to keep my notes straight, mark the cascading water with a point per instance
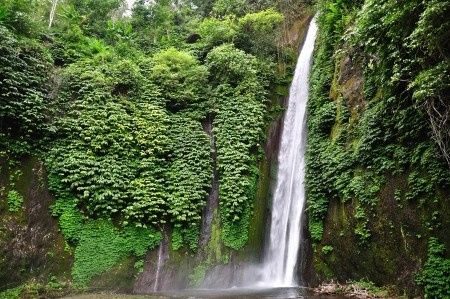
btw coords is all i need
(279, 266)
(52, 13)
(158, 267)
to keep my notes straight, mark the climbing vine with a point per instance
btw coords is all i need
(25, 69)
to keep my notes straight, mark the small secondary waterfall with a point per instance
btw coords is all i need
(279, 266)
(158, 267)
(52, 13)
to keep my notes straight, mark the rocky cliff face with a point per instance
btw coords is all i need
(215, 265)
(30, 243)
(31, 239)
(377, 183)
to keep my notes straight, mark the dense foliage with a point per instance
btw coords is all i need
(117, 106)
(239, 96)
(134, 114)
(378, 115)
(24, 89)
(435, 276)
(99, 245)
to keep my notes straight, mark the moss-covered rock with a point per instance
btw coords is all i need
(377, 184)
(31, 245)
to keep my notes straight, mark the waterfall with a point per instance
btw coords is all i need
(128, 8)
(52, 13)
(279, 265)
(158, 267)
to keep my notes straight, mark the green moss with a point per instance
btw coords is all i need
(120, 277)
(25, 208)
(258, 219)
(214, 248)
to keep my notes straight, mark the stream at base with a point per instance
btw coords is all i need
(232, 293)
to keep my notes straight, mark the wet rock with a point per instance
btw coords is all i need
(31, 245)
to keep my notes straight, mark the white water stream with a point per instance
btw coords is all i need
(280, 263)
(52, 13)
(158, 267)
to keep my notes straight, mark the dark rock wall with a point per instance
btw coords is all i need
(397, 247)
(30, 243)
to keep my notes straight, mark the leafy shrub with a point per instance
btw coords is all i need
(25, 69)
(179, 75)
(215, 32)
(229, 7)
(15, 201)
(258, 32)
(197, 275)
(435, 275)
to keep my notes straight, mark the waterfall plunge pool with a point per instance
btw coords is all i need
(231, 293)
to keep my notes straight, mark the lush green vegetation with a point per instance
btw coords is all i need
(238, 106)
(132, 114)
(25, 67)
(15, 201)
(378, 115)
(435, 276)
(117, 107)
